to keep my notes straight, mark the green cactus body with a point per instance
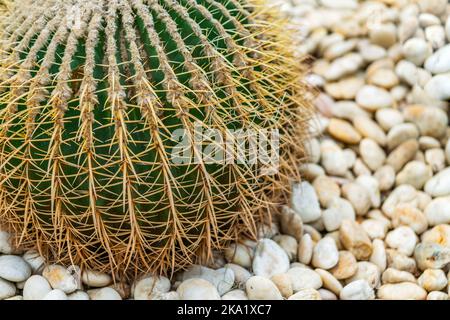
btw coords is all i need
(91, 94)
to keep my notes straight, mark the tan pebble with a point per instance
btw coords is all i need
(378, 256)
(345, 89)
(329, 281)
(406, 214)
(354, 238)
(306, 294)
(346, 266)
(401, 291)
(386, 177)
(326, 189)
(283, 283)
(370, 129)
(305, 249)
(402, 154)
(433, 280)
(383, 78)
(391, 275)
(343, 131)
(358, 196)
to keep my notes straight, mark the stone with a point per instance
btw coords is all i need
(436, 159)
(326, 189)
(303, 278)
(343, 131)
(7, 289)
(438, 211)
(439, 234)
(198, 289)
(408, 215)
(373, 98)
(78, 295)
(370, 129)
(435, 35)
(5, 242)
(305, 249)
(325, 254)
(241, 275)
(55, 294)
(288, 244)
(269, 259)
(385, 176)
(104, 294)
(241, 254)
(383, 34)
(402, 154)
(333, 160)
(417, 50)
(428, 19)
(60, 278)
(439, 185)
(36, 288)
(35, 260)
(437, 295)
(354, 239)
(400, 261)
(431, 256)
(403, 239)
(439, 87)
(348, 110)
(311, 171)
(306, 294)
(14, 268)
(304, 202)
(284, 284)
(371, 52)
(291, 224)
(343, 66)
(235, 295)
(367, 271)
(428, 143)
(400, 195)
(378, 256)
(150, 287)
(439, 62)
(222, 279)
(436, 7)
(357, 290)
(95, 279)
(407, 72)
(372, 187)
(391, 275)
(344, 89)
(384, 78)
(415, 173)
(346, 266)
(329, 281)
(388, 118)
(431, 121)
(261, 288)
(327, 294)
(358, 196)
(375, 229)
(338, 49)
(401, 291)
(433, 280)
(401, 133)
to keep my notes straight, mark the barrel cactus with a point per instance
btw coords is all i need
(92, 94)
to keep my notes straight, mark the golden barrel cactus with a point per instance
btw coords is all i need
(92, 93)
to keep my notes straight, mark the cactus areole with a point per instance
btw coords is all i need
(93, 97)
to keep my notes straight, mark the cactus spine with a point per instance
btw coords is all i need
(91, 94)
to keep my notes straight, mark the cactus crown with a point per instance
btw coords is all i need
(91, 94)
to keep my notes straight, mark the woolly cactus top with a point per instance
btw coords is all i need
(91, 93)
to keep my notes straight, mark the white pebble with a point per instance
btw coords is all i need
(270, 259)
(14, 268)
(36, 288)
